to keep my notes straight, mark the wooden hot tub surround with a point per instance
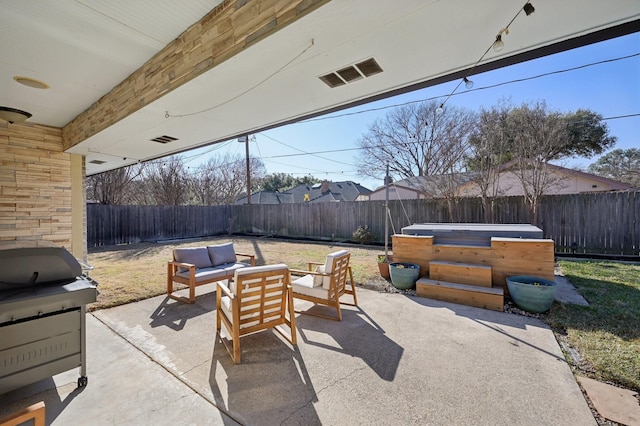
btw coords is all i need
(474, 274)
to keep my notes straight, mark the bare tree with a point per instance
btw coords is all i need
(537, 135)
(166, 182)
(488, 150)
(415, 140)
(114, 186)
(222, 179)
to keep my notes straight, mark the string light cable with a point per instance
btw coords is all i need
(496, 44)
(305, 152)
(492, 86)
(251, 88)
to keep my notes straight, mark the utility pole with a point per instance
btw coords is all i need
(386, 215)
(245, 139)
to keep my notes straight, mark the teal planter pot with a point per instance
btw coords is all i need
(532, 294)
(404, 275)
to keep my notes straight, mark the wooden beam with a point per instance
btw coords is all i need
(224, 32)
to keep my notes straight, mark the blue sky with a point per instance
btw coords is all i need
(611, 89)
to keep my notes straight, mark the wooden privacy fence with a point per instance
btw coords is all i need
(584, 223)
(111, 225)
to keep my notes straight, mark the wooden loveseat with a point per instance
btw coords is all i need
(196, 266)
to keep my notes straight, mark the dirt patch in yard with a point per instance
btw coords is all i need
(134, 272)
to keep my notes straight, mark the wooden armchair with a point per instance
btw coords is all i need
(327, 284)
(258, 298)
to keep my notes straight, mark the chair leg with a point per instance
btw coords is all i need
(218, 310)
(353, 288)
(169, 280)
(292, 316)
(192, 293)
(236, 346)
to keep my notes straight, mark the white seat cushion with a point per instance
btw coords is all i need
(320, 280)
(305, 285)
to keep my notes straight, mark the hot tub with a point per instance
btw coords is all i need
(471, 234)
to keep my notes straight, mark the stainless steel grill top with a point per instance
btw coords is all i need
(36, 281)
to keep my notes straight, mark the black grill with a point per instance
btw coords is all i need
(43, 298)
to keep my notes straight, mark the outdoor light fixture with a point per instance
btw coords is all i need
(468, 83)
(498, 45)
(528, 8)
(31, 82)
(13, 115)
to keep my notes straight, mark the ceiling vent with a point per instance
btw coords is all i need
(369, 67)
(97, 162)
(164, 139)
(352, 73)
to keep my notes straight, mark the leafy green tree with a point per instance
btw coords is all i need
(619, 164)
(537, 135)
(580, 134)
(589, 135)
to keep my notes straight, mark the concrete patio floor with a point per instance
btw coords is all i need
(394, 360)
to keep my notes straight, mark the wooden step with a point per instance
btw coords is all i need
(463, 273)
(464, 294)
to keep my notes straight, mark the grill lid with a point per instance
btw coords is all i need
(37, 266)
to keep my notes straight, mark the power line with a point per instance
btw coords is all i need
(520, 80)
(305, 152)
(317, 153)
(622, 116)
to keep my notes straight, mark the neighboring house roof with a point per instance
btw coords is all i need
(422, 184)
(266, 197)
(437, 184)
(317, 193)
(615, 185)
(576, 181)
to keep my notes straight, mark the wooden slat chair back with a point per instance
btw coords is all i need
(327, 284)
(35, 412)
(258, 298)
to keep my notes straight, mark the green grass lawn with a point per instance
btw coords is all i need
(606, 334)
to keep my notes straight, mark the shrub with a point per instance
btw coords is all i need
(362, 235)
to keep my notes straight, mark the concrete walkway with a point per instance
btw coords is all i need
(396, 360)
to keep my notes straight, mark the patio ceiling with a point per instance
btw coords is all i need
(84, 48)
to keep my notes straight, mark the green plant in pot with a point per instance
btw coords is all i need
(383, 265)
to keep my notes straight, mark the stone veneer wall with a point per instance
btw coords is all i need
(35, 185)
